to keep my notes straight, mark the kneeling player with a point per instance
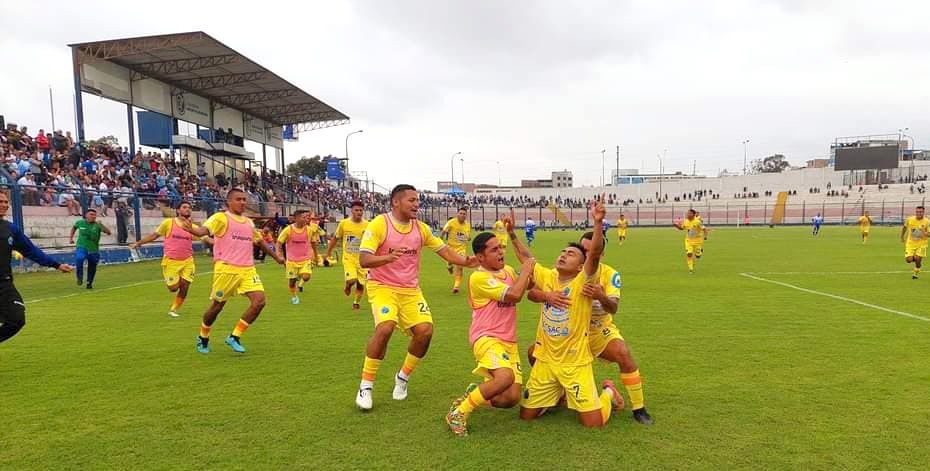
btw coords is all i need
(563, 353)
(493, 292)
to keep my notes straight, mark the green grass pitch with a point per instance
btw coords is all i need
(738, 372)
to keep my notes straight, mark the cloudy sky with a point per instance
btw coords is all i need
(532, 85)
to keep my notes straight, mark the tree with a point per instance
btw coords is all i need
(108, 141)
(776, 163)
(313, 167)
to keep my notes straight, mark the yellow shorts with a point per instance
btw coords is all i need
(293, 270)
(492, 353)
(353, 270)
(176, 270)
(548, 382)
(406, 307)
(503, 242)
(602, 335)
(918, 250)
(233, 281)
(621, 233)
(693, 247)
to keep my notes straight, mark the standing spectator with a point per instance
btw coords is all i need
(44, 147)
(122, 227)
(29, 191)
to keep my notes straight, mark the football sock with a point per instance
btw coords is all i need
(634, 387)
(410, 363)
(293, 290)
(300, 282)
(369, 371)
(690, 263)
(177, 303)
(240, 328)
(204, 331)
(473, 401)
(458, 281)
(358, 296)
(606, 405)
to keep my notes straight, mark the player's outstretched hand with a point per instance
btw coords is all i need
(279, 259)
(65, 268)
(528, 264)
(471, 262)
(598, 210)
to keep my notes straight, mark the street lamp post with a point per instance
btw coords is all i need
(603, 151)
(347, 149)
(901, 133)
(745, 156)
(659, 156)
(498, 173)
(452, 166)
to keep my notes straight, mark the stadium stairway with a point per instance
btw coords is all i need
(559, 215)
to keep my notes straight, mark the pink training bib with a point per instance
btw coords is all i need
(235, 245)
(405, 271)
(298, 244)
(495, 319)
(179, 243)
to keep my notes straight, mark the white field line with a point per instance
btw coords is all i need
(837, 297)
(827, 273)
(52, 298)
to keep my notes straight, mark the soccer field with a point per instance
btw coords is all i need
(821, 361)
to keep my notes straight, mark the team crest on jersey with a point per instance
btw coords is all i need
(492, 282)
(385, 310)
(10, 241)
(505, 356)
(616, 280)
(219, 293)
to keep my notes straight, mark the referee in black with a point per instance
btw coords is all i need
(12, 308)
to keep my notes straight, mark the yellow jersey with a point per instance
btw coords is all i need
(312, 230)
(694, 229)
(217, 224)
(350, 233)
(917, 230)
(164, 228)
(609, 280)
(865, 223)
(562, 335)
(622, 223)
(459, 233)
(501, 232)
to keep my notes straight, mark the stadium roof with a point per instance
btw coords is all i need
(198, 63)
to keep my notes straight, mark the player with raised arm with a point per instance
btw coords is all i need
(177, 262)
(391, 249)
(694, 237)
(234, 271)
(563, 352)
(350, 231)
(493, 293)
(457, 233)
(914, 235)
(12, 307)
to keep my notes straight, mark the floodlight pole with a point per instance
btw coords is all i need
(347, 149)
(78, 101)
(745, 155)
(452, 165)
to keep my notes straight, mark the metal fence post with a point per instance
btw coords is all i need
(803, 211)
(655, 214)
(727, 210)
(883, 211)
(843, 212)
(17, 201)
(137, 217)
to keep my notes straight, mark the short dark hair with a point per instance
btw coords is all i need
(182, 203)
(920, 207)
(590, 236)
(480, 242)
(463, 208)
(91, 210)
(580, 248)
(233, 191)
(357, 203)
(299, 212)
(400, 189)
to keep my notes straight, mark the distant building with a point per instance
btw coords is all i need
(818, 163)
(562, 179)
(536, 183)
(445, 187)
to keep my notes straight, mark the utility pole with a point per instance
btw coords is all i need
(617, 176)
